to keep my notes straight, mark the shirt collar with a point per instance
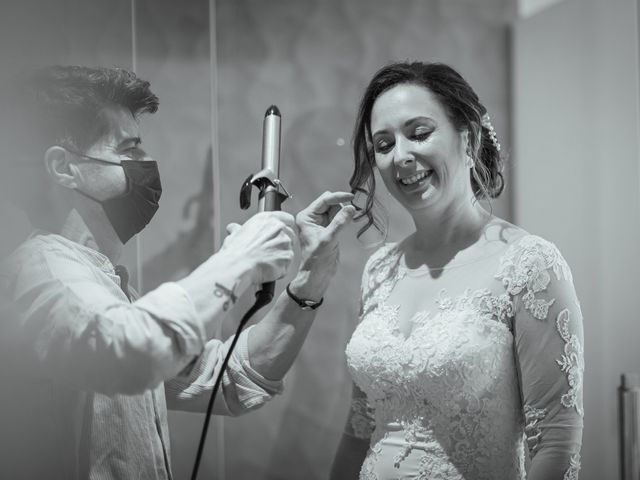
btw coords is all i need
(98, 259)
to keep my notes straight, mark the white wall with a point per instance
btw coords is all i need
(576, 182)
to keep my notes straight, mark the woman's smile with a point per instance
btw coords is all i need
(417, 177)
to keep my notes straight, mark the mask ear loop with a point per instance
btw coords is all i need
(89, 158)
(88, 196)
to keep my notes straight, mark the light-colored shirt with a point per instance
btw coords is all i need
(87, 375)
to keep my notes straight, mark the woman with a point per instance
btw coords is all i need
(469, 344)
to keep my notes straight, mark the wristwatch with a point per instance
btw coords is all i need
(305, 304)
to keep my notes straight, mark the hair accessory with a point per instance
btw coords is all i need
(486, 122)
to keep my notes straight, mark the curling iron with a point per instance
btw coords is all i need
(270, 199)
(267, 182)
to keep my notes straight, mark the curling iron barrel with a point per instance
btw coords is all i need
(267, 181)
(269, 198)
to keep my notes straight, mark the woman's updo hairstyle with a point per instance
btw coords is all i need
(464, 110)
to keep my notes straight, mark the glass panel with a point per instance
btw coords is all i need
(172, 51)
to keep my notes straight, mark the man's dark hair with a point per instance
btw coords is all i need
(66, 102)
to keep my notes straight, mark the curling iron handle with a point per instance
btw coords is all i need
(265, 294)
(272, 200)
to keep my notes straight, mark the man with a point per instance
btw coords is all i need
(87, 368)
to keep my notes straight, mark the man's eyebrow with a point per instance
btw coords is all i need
(136, 141)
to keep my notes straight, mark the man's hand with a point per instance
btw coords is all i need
(265, 241)
(257, 252)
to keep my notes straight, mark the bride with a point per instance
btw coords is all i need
(469, 346)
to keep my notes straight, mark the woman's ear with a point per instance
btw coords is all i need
(464, 142)
(469, 148)
(60, 168)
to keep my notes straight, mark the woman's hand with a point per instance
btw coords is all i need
(319, 227)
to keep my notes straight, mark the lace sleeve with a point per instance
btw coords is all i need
(549, 353)
(377, 270)
(360, 422)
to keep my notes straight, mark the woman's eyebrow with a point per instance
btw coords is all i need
(379, 132)
(413, 120)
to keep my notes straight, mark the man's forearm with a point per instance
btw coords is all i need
(275, 342)
(214, 286)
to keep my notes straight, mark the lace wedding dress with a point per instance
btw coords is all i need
(479, 376)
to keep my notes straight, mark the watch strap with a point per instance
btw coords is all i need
(304, 303)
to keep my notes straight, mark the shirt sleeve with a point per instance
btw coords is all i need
(73, 324)
(243, 389)
(549, 354)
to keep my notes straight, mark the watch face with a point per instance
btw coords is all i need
(311, 305)
(305, 304)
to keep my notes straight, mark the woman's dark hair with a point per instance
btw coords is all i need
(463, 109)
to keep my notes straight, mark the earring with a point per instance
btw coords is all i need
(470, 162)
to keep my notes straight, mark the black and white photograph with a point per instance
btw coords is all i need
(319, 239)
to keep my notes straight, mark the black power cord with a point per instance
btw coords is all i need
(262, 298)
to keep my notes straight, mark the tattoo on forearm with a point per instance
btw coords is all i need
(221, 291)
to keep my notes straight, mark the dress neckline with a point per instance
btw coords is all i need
(400, 260)
(394, 259)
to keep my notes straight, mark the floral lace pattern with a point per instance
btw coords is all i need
(483, 301)
(532, 417)
(445, 397)
(524, 269)
(574, 468)
(571, 362)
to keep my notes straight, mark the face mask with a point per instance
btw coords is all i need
(131, 212)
